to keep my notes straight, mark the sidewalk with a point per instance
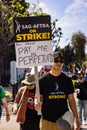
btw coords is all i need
(12, 124)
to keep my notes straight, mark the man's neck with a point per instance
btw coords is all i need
(55, 73)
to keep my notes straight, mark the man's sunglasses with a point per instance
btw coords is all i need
(57, 60)
(29, 84)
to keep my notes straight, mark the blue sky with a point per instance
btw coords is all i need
(71, 15)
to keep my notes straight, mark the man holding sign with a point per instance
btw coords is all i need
(55, 89)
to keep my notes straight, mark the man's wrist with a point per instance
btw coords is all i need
(8, 115)
(76, 118)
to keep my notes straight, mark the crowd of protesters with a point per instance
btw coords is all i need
(52, 83)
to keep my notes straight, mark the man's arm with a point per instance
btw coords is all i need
(72, 105)
(4, 102)
(38, 106)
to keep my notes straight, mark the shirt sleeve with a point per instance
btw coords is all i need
(3, 94)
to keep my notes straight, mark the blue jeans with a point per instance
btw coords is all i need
(82, 109)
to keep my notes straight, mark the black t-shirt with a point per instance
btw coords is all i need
(55, 90)
(82, 95)
(31, 113)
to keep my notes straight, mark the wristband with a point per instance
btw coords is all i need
(7, 115)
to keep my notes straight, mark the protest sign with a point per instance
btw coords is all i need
(33, 41)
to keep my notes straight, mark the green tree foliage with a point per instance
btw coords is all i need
(35, 10)
(14, 8)
(9, 9)
(56, 34)
(79, 41)
(68, 54)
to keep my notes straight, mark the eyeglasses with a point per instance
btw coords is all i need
(57, 60)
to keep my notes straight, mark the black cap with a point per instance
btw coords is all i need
(57, 54)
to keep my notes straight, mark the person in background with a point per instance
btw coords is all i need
(85, 76)
(30, 119)
(46, 69)
(56, 88)
(81, 89)
(3, 102)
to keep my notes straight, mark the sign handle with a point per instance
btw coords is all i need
(37, 86)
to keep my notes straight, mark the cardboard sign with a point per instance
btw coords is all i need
(33, 41)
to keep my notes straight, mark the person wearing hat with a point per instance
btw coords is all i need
(56, 88)
(24, 104)
(81, 89)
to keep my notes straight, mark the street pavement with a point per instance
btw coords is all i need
(12, 124)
